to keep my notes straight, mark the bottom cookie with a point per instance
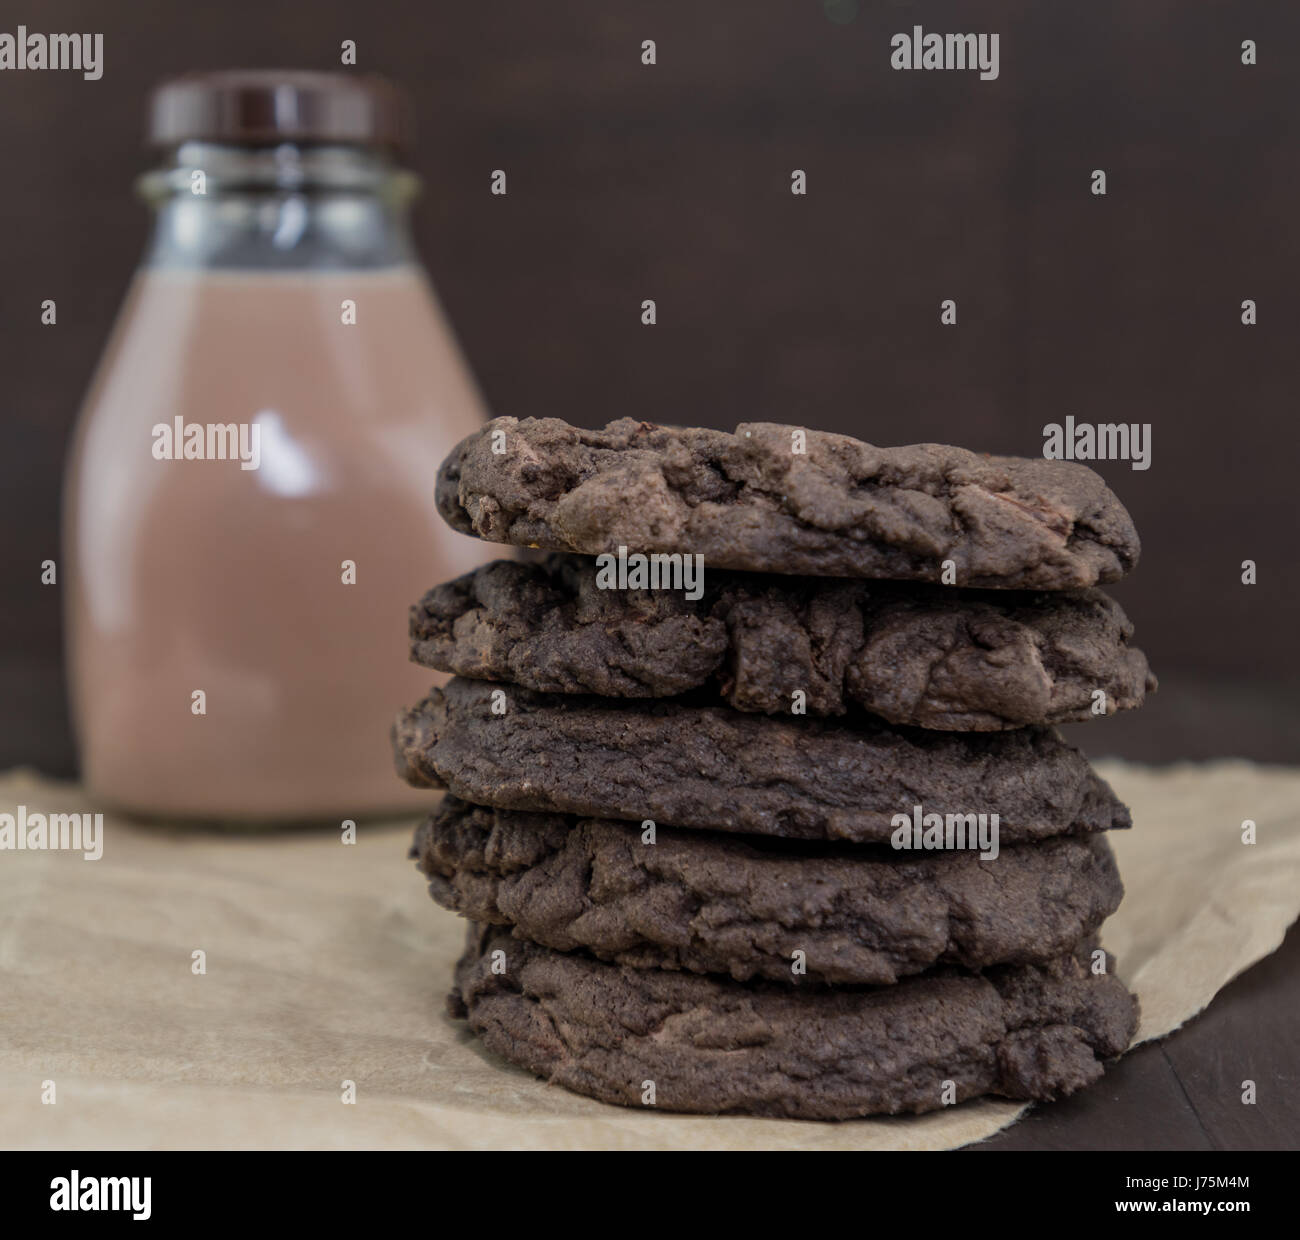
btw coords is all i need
(685, 1042)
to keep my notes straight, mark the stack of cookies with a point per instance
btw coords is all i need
(755, 803)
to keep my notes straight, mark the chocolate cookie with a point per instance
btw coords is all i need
(689, 765)
(708, 903)
(780, 499)
(712, 1045)
(928, 656)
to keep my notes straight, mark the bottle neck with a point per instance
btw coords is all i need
(291, 208)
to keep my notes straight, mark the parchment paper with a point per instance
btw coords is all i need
(328, 963)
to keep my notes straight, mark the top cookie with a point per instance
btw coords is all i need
(780, 499)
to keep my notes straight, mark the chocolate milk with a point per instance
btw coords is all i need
(278, 593)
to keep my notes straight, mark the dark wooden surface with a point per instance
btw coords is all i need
(1184, 1092)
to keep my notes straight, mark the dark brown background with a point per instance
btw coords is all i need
(672, 183)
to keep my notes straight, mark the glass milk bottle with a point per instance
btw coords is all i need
(249, 499)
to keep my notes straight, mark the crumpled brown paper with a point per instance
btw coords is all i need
(327, 963)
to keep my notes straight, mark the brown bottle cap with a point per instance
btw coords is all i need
(268, 106)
